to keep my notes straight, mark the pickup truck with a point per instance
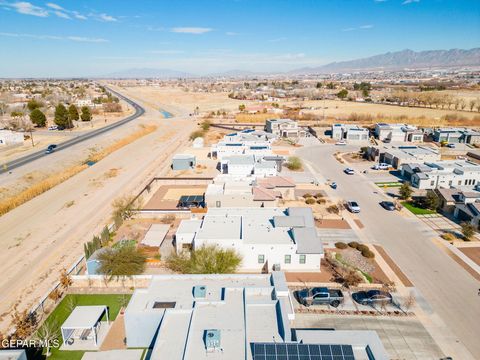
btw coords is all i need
(320, 296)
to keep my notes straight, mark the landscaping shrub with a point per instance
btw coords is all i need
(307, 195)
(196, 134)
(368, 254)
(353, 244)
(321, 201)
(319, 195)
(294, 163)
(310, 201)
(205, 260)
(341, 245)
(362, 247)
(333, 209)
(125, 261)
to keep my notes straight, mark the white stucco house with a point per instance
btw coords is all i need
(266, 238)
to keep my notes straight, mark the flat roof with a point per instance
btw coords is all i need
(155, 235)
(84, 317)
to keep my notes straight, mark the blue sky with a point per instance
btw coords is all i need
(94, 38)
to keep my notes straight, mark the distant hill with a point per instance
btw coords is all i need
(399, 60)
(142, 73)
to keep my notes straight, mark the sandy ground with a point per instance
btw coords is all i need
(43, 236)
(339, 109)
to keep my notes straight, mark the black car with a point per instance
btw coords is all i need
(388, 205)
(50, 149)
(372, 297)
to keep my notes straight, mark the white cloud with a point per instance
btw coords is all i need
(406, 2)
(53, 37)
(61, 15)
(54, 6)
(361, 27)
(79, 16)
(277, 39)
(27, 8)
(86, 39)
(191, 30)
(105, 17)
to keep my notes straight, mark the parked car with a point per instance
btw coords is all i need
(349, 171)
(50, 149)
(353, 206)
(341, 142)
(381, 166)
(451, 146)
(333, 185)
(53, 127)
(320, 296)
(372, 297)
(388, 205)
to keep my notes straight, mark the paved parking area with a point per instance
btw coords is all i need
(403, 338)
(331, 236)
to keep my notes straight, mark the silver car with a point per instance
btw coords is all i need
(353, 206)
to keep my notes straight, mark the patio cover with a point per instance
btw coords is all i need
(155, 235)
(83, 318)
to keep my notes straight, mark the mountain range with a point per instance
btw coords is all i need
(391, 61)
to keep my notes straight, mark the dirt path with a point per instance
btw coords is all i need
(45, 235)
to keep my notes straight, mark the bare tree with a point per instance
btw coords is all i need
(409, 301)
(472, 104)
(48, 334)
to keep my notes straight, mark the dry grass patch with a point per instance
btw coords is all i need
(39, 188)
(51, 181)
(143, 131)
(254, 118)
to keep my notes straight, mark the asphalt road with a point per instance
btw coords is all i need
(448, 288)
(139, 111)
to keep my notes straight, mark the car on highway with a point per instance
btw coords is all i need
(50, 149)
(381, 166)
(388, 205)
(53, 127)
(341, 143)
(372, 297)
(333, 185)
(349, 171)
(319, 296)
(353, 206)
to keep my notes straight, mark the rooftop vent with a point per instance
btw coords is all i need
(212, 339)
(199, 291)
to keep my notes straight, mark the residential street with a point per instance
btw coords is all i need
(448, 288)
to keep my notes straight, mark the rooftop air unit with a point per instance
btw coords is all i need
(212, 340)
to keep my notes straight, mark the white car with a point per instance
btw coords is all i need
(353, 206)
(53, 127)
(341, 143)
(381, 166)
(349, 171)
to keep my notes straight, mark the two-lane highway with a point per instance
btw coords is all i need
(139, 111)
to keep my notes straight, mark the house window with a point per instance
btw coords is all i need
(261, 259)
(218, 204)
(303, 259)
(432, 183)
(288, 259)
(459, 182)
(450, 183)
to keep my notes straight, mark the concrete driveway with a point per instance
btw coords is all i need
(403, 338)
(448, 288)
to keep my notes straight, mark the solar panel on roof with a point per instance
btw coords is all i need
(296, 351)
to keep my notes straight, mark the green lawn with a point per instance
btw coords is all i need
(416, 210)
(389, 184)
(62, 311)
